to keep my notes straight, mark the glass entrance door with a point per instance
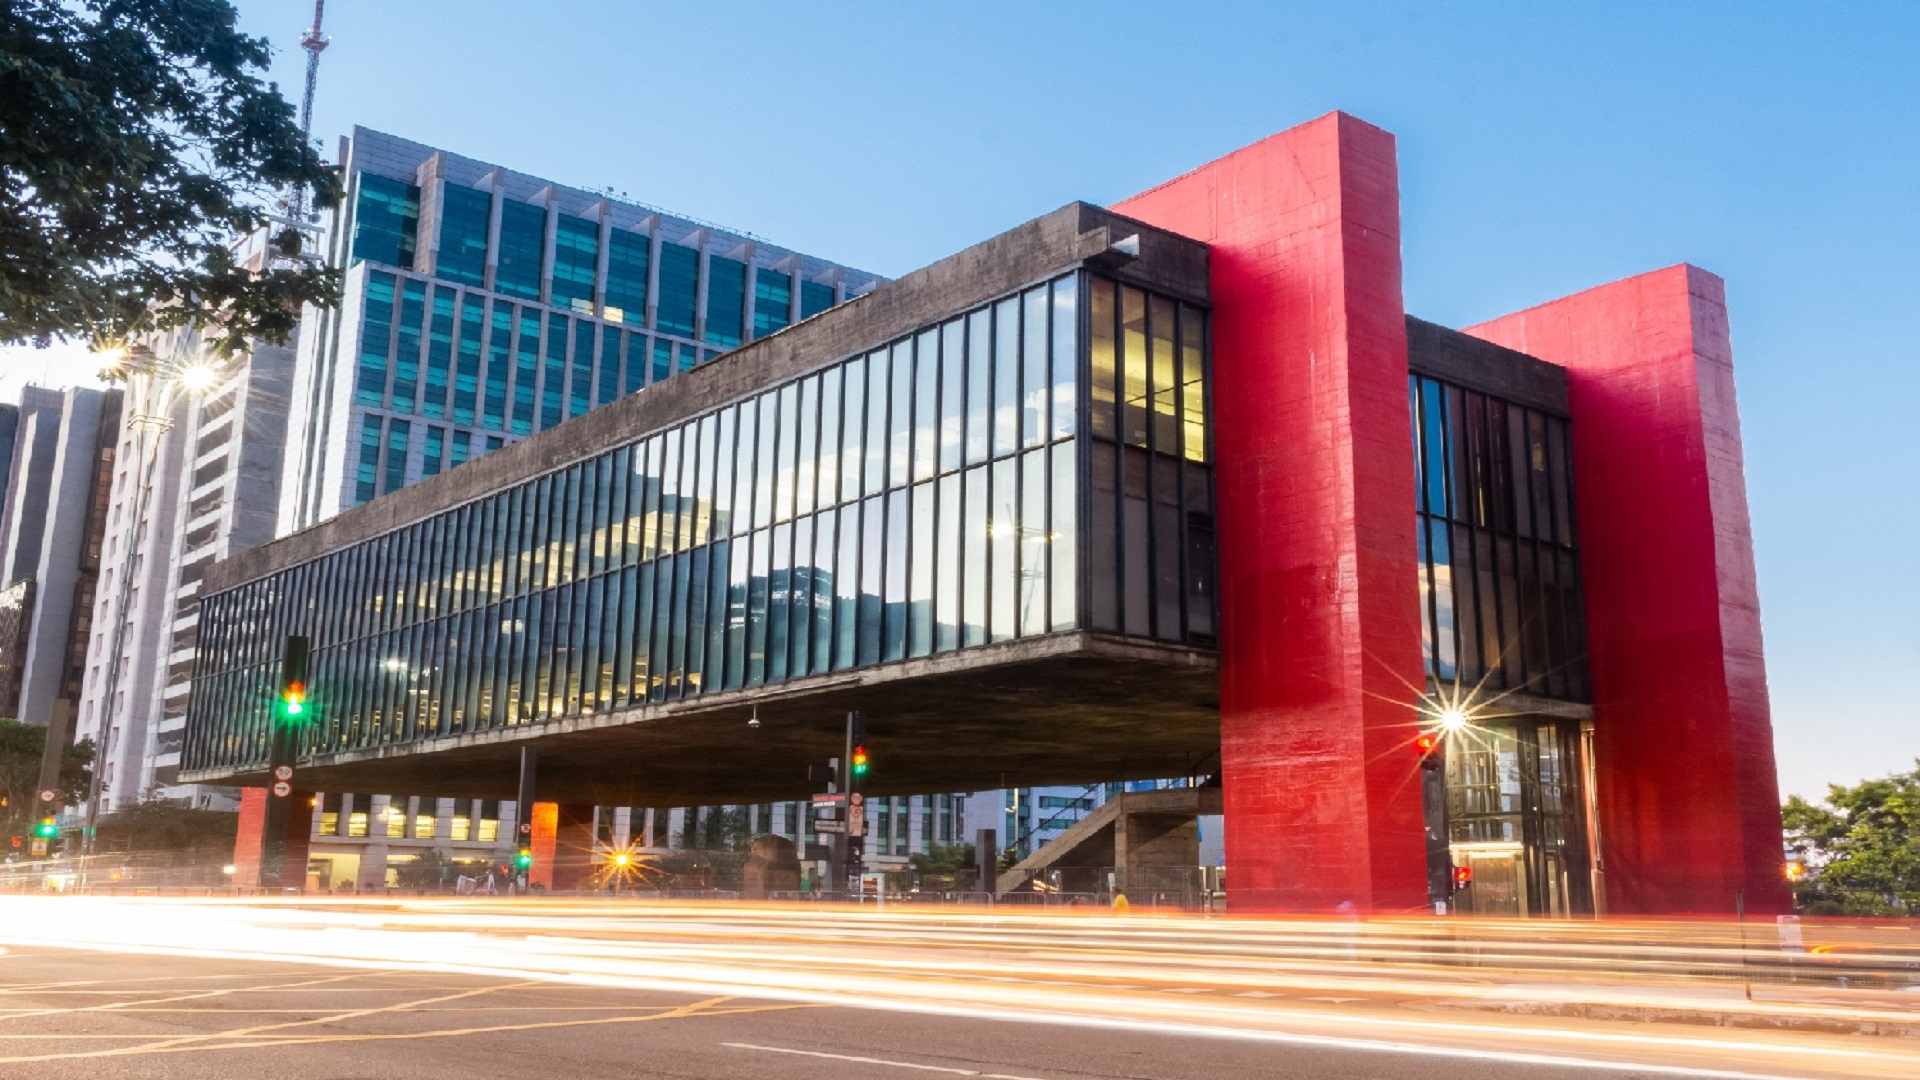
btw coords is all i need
(1499, 883)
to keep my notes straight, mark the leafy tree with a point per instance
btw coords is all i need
(1861, 846)
(137, 140)
(154, 825)
(21, 747)
(434, 869)
(942, 859)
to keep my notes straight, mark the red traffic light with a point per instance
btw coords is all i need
(1462, 876)
(1427, 742)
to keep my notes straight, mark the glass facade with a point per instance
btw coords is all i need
(386, 218)
(1499, 564)
(465, 215)
(923, 497)
(1516, 814)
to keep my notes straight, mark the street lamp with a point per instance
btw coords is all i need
(154, 384)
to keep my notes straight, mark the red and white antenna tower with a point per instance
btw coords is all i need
(315, 43)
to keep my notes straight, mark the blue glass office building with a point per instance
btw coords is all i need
(483, 305)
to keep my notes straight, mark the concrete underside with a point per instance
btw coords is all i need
(1071, 708)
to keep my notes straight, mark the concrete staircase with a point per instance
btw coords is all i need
(1131, 831)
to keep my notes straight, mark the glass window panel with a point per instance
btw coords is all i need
(726, 301)
(779, 602)
(628, 254)
(1036, 376)
(523, 243)
(978, 528)
(846, 597)
(553, 371)
(698, 573)
(808, 454)
(737, 582)
(386, 220)
(1065, 358)
(926, 405)
(824, 576)
(772, 300)
(725, 464)
(953, 383)
(875, 472)
(1004, 529)
(702, 516)
(757, 604)
(1103, 367)
(853, 420)
(1168, 595)
(526, 370)
(580, 380)
(1063, 541)
(799, 599)
(829, 455)
(679, 289)
(1006, 377)
(894, 645)
(743, 461)
(1193, 389)
(768, 406)
(1034, 542)
(1133, 366)
(872, 579)
(1164, 366)
(370, 380)
(900, 417)
(1135, 544)
(946, 566)
(783, 464)
(979, 386)
(406, 358)
(720, 568)
(576, 260)
(609, 368)
(814, 298)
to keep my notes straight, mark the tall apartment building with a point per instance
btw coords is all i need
(482, 305)
(212, 481)
(61, 455)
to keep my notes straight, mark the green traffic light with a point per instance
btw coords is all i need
(524, 860)
(46, 830)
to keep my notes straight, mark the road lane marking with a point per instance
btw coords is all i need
(878, 1061)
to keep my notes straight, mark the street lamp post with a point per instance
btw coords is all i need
(154, 384)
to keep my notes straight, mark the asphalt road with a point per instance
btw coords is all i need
(78, 1015)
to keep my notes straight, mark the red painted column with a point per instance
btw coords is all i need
(247, 841)
(1314, 466)
(250, 839)
(562, 846)
(1689, 800)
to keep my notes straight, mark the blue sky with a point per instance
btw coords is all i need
(1544, 148)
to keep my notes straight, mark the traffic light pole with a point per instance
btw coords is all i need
(854, 766)
(283, 754)
(523, 815)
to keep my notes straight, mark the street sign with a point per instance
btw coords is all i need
(49, 795)
(857, 815)
(282, 789)
(828, 825)
(39, 846)
(830, 797)
(283, 772)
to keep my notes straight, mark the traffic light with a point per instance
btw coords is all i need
(1427, 743)
(46, 829)
(293, 700)
(1462, 877)
(293, 681)
(859, 762)
(523, 861)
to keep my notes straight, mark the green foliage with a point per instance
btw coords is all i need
(21, 746)
(137, 140)
(434, 869)
(1861, 846)
(156, 826)
(942, 859)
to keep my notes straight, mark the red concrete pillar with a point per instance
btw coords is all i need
(562, 846)
(1314, 466)
(1689, 800)
(250, 840)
